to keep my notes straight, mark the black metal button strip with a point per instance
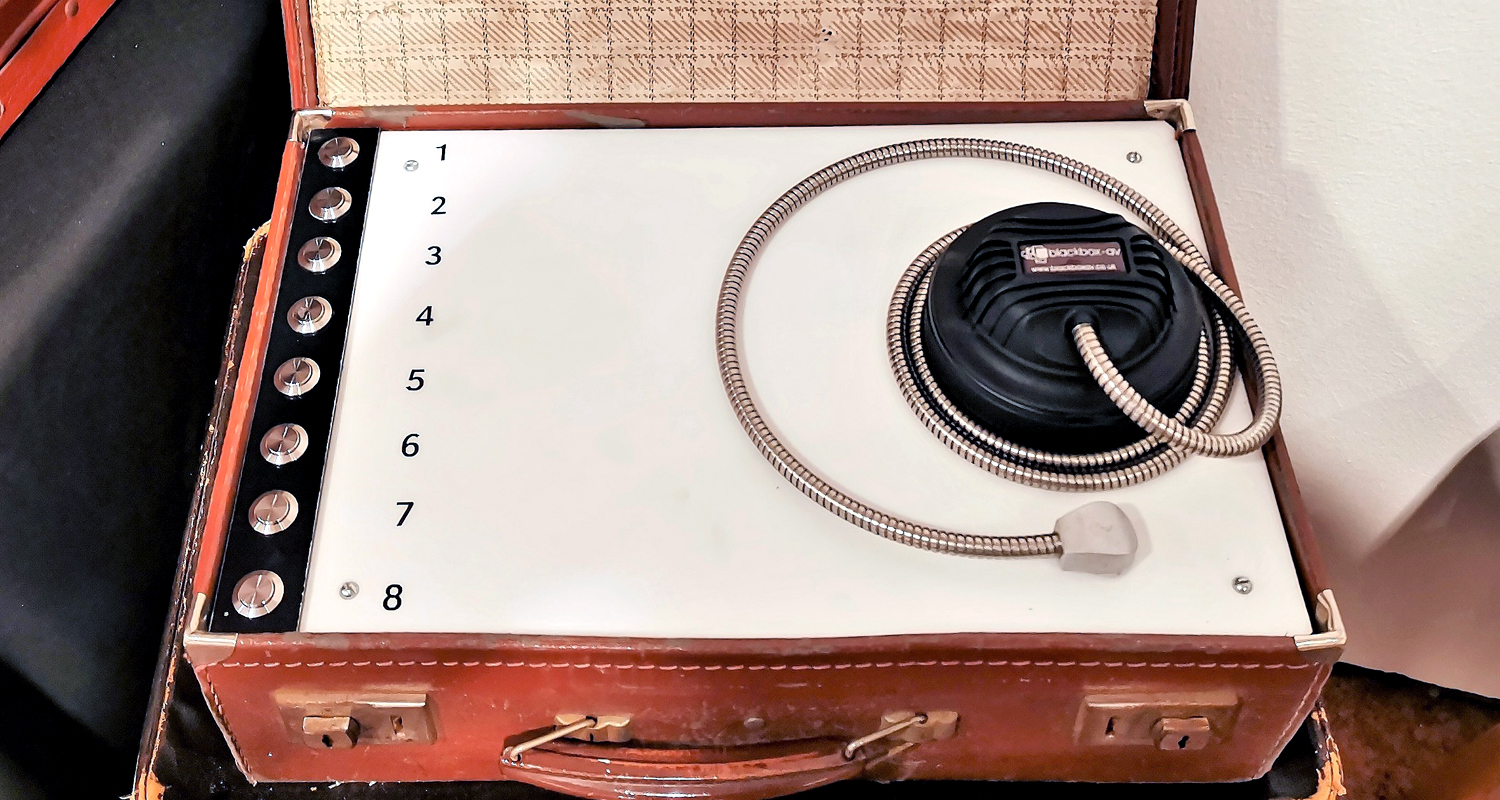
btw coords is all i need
(264, 569)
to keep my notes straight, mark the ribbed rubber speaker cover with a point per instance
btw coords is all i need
(1004, 297)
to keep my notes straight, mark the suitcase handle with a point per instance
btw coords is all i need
(751, 772)
(607, 772)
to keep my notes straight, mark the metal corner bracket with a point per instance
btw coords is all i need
(1332, 635)
(1177, 112)
(308, 120)
(204, 648)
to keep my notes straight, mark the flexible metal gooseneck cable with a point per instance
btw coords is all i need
(1168, 439)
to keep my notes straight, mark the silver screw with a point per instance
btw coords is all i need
(1133, 157)
(411, 166)
(1243, 585)
(349, 590)
(754, 723)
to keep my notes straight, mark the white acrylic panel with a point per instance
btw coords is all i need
(580, 469)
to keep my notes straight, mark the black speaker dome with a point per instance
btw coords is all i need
(1004, 298)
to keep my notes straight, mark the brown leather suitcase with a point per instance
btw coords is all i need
(740, 717)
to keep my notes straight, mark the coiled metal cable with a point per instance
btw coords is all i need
(1169, 437)
(1133, 463)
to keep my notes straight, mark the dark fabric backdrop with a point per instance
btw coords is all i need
(126, 192)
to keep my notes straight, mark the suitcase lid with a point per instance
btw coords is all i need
(476, 55)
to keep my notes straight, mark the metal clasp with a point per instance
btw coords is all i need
(908, 727)
(589, 728)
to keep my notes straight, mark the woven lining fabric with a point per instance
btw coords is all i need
(480, 52)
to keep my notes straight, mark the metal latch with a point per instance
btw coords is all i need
(329, 723)
(1177, 733)
(1167, 720)
(330, 733)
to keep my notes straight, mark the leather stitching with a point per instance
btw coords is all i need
(1297, 719)
(218, 712)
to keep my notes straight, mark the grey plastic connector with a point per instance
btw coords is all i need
(1096, 538)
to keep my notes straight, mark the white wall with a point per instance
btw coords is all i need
(1355, 149)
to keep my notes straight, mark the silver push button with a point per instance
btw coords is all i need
(330, 204)
(309, 314)
(258, 594)
(296, 376)
(338, 152)
(283, 443)
(273, 512)
(319, 254)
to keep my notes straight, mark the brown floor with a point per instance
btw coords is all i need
(1394, 733)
